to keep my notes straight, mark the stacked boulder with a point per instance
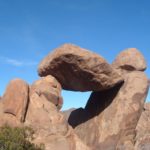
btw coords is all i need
(112, 116)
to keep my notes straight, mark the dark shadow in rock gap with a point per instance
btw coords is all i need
(97, 102)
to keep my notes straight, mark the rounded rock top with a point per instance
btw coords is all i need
(130, 59)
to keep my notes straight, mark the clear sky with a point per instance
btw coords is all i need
(30, 29)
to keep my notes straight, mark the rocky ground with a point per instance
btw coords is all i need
(115, 117)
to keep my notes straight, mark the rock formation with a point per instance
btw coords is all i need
(114, 118)
(39, 107)
(110, 118)
(43, 116)
(79, 69)
(15, 99)
(49, 88)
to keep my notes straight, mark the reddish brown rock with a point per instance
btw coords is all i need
(129, 60)
(110, 117)
(143, 130)
(78, 69)
(50, 88)
(15, 99)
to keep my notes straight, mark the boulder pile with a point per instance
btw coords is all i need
(115, 117)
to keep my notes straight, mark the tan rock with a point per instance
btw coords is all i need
(110, 117)
(15, 99)
(143, 130)
(7, 119)
(50, 88)
(147, 106)
(129, 60)
(78, 69)
(50, 127)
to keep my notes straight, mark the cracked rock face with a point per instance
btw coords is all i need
(78, 69)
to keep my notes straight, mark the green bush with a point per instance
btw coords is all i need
(17, 139)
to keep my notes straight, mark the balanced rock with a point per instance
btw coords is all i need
(79, 69)
(110, 117)
(15, 99)
(50, 88)
(129, 60)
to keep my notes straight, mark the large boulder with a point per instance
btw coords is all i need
(50, 88)
(15, 99)
(51, 128)
(110, 117)
(130, 59)
(143, 130)
(78, 69)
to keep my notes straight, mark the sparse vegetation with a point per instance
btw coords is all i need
(17, 139)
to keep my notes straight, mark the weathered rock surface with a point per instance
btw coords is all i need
(110, 117)
(16, 98)
(50, 127)
(50, 88)
(79, 69)
(8, 119)
(143, 130)
(130, 59)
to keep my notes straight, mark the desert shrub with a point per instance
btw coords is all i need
(17, 139)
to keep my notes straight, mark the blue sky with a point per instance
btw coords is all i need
(30, 29)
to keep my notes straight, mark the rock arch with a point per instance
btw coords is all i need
(111, 114)
(109, 119)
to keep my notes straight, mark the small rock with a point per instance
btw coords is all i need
(130, 59)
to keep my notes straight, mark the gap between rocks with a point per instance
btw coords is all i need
(74, 99)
